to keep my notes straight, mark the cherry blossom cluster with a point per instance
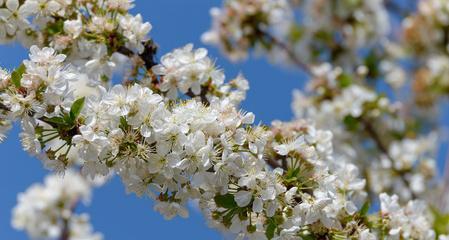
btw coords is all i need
(241, 25)
(408, 222)
(337, 102)
(180, 151)
(424, 31)
(431, 80)
(38, 82)
(90, 33)
(324, 31)
(189, 151)
(424, 40)
(336, 31)
(47, 211)
(193, 73)
(347, 50)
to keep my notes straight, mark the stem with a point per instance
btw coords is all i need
(49, 133)
(68, 149)
(52, 138)
(63, 145)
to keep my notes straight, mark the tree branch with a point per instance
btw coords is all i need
(65, 234)
(290, 53)
(202, 95)
(369, 128)
(148, 55)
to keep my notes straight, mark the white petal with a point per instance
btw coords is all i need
(12, 5)
(257, 205)
(243, 198)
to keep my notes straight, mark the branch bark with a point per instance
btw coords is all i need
(369, 128)
(148, 55)
(290, 53)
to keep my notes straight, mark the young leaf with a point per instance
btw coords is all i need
(123, 123)
(76, 108)
(365, 208)
(56, 120)
(225, 201)
(56, 27)
(441, 221)
(351, 123)
(372, 63)
(16, 75)
(344, 80)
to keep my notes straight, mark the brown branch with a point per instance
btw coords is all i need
(374, 136)
(148, 55)
(273, 163)
(290, 53)
(284, 163)
(369, 128)
(202, 95)
(65, 235)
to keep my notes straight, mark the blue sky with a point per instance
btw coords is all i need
(114, 213)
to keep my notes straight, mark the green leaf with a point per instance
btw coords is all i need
(344, 80)
(123, 123)
(372, 63)
(76, 108)
(441, 221)
(227, 219)
(271, 228)
(351, 123)
(293, 172)
(365, 208)
(225, 201)
(296, 33)
(55, 122)
(308, 237)
(55, 27)
(16, 75)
